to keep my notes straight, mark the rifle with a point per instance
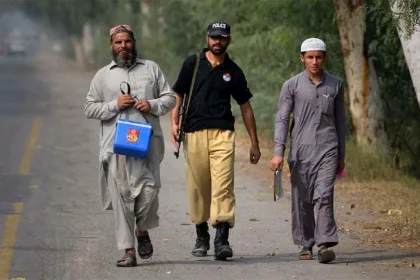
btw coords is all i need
(183, 110)
(180, 126)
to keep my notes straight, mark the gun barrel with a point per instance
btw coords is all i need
(180, 130)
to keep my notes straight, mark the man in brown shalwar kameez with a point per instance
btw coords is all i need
(317, 149)
(130, 186)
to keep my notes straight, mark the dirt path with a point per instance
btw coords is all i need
(367, 228)
(64, 234)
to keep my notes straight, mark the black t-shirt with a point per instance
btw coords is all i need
(210, 105)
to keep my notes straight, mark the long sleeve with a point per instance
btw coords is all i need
(95, 108)
(284, 108)
(165, 99)
(339, 115)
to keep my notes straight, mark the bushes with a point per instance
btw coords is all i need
(266, 36)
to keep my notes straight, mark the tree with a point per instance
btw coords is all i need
(396, 87)
(365, 103)
(407, 14)
(78, 22)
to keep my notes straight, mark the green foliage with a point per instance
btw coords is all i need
(398, 95)
(121, 14)
(264, 44)
(368, 165)
(266, 36)
(407, 12)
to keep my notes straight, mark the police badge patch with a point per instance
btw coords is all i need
(226, 77)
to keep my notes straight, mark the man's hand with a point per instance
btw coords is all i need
(143, 105)
(125, 101)
(254, 154)
(174, 135)
(276, 163)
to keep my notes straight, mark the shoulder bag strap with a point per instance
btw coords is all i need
(197, 62)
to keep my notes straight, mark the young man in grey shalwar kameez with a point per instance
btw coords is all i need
(317, 148)
(130, 186)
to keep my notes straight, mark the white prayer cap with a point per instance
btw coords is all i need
(313, 44)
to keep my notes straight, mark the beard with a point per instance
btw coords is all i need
(217, 49)
(124, 59)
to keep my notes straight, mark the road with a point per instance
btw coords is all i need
(51, 224)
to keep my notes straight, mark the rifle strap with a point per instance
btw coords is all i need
(197, 62)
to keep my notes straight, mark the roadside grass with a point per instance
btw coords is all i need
(374, 202)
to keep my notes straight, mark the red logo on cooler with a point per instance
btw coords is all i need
(132, 135)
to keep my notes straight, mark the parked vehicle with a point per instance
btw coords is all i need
(16, 48)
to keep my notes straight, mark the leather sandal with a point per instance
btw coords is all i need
(128, 260)
(145, 247)
(306, 254)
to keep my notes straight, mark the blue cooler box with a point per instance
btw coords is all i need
(132, 138)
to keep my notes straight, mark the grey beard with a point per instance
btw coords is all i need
(124, 61)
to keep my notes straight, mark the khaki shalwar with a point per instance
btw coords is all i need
(317, 144)
(209, 145)
(209, 164)
(129, 185)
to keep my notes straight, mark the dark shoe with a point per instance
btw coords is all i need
(222, 249)
(202, 243)
(306, 253)
(325, 255)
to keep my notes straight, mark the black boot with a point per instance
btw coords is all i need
(222, 249)
(202, 243)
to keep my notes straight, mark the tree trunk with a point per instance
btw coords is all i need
(88, 45)
(78, 50)
(145, 13)
(411, 48)
(365, 101)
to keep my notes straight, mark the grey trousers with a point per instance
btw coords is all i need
(128, 212)
(305, 231)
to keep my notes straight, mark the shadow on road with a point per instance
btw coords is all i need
(342, 258)
(373, 256)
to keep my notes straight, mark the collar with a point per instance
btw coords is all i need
(322, 78)
(113, 64)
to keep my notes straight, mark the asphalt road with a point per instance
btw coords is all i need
(51, 224)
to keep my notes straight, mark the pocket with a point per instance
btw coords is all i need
(327, 104)
(143, 89)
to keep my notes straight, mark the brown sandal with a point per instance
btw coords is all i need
(306, 254)
(129, 260)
